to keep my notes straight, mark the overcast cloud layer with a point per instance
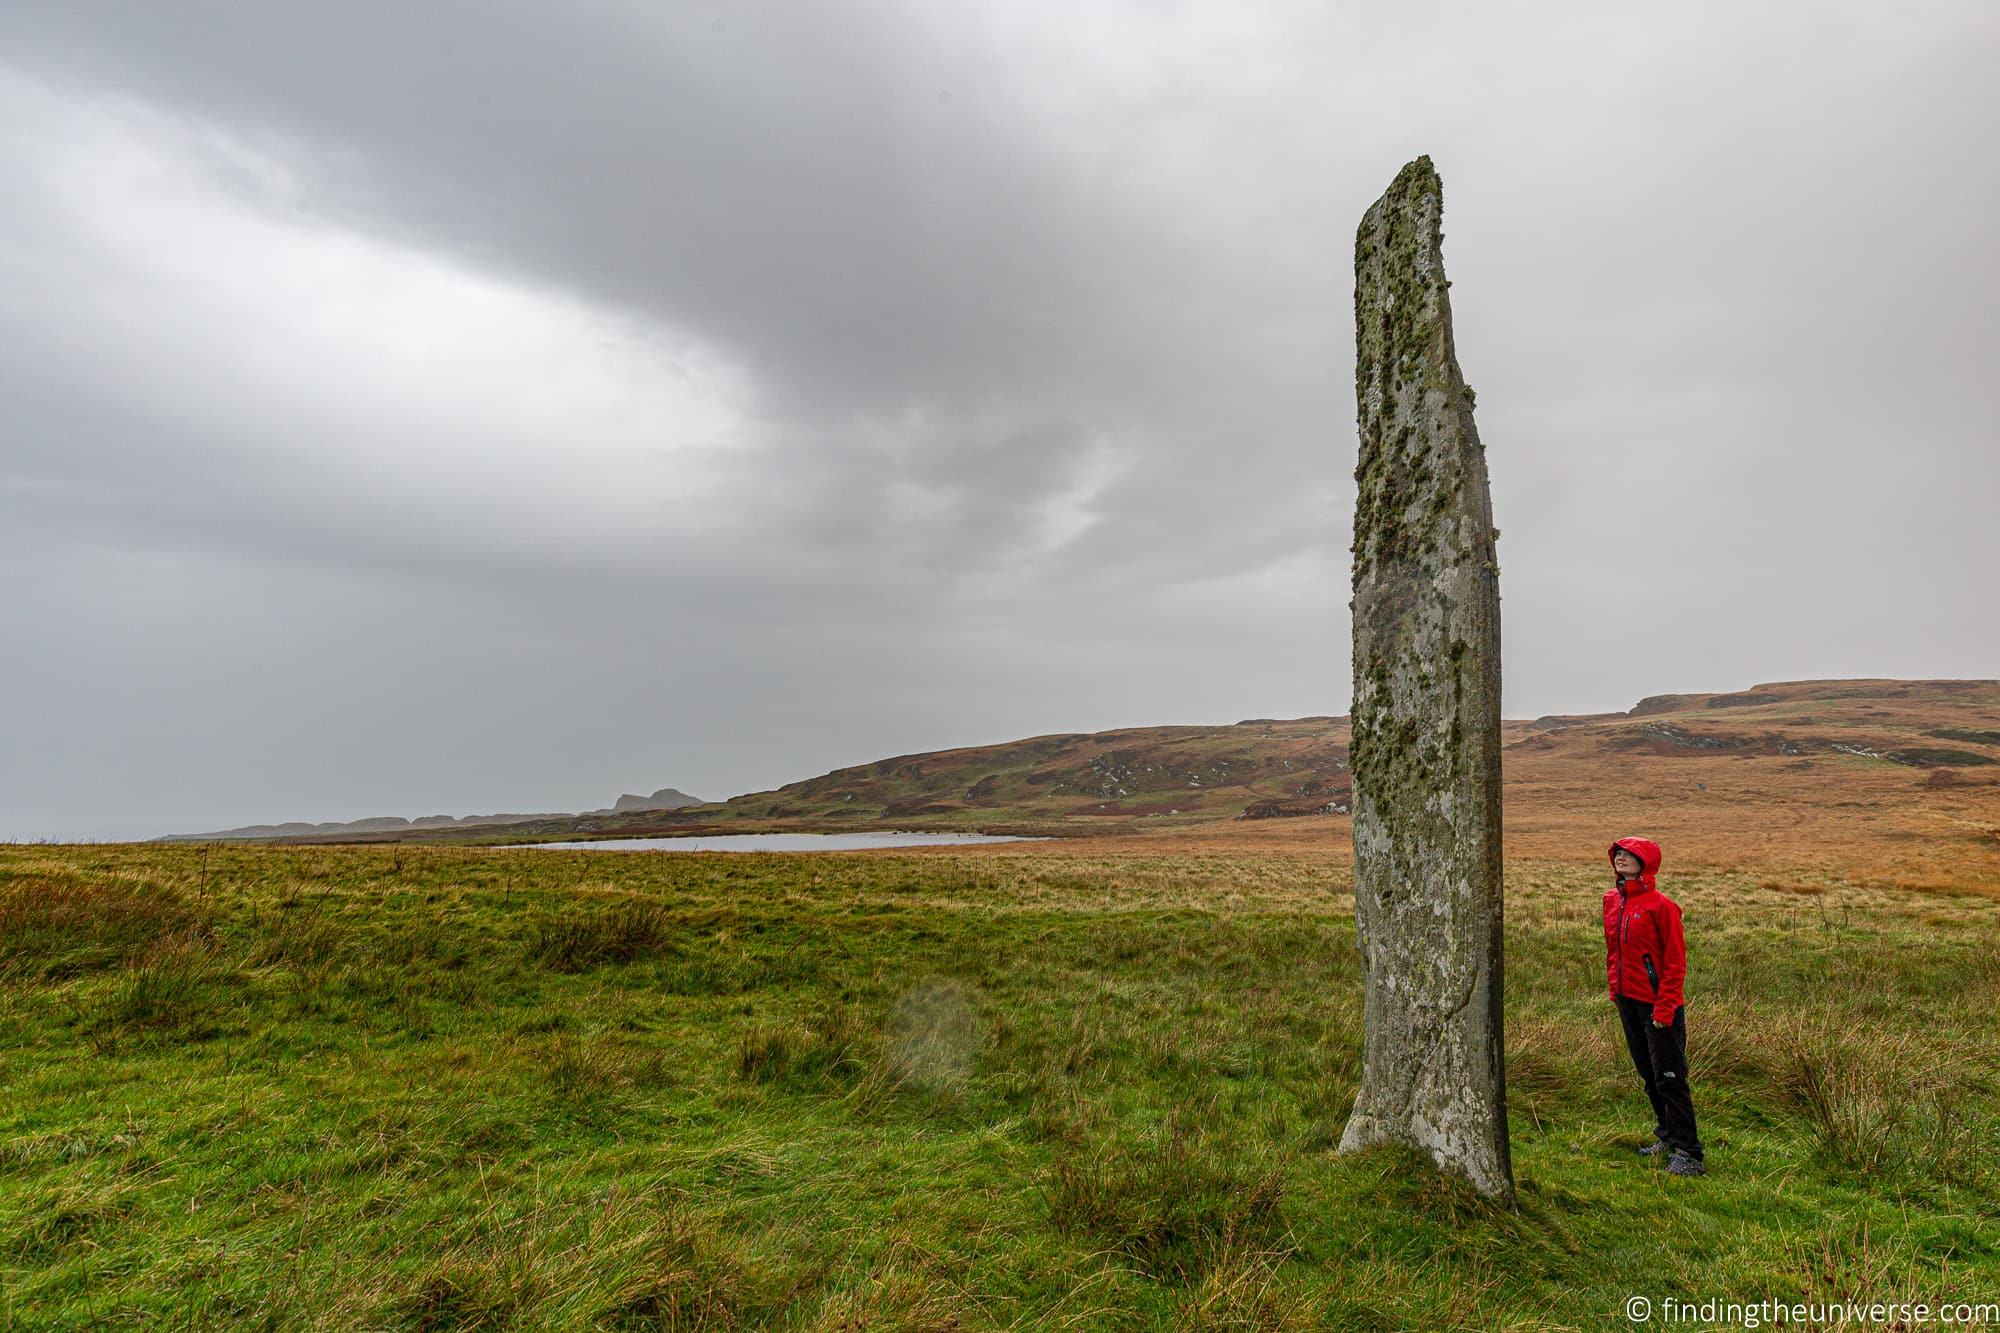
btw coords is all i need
(457, 408)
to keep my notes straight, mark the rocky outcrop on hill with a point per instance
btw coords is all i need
(666, 798)
(1296, 806)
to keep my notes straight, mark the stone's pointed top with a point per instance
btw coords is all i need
(1414, 200)
(1417, 175)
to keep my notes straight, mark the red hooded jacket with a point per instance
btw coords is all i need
(1645, 956)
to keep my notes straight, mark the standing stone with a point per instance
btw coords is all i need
(1426, 736)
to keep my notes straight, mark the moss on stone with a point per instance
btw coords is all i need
(1425, 747)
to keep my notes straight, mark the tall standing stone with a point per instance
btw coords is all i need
(1426, 736)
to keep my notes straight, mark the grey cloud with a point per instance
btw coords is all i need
(788, 183)
(1045, 422)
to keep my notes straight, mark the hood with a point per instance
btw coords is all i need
(1648, 853)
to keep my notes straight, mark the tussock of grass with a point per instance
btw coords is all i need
(1881, 1104)
(1546, 1063)
(58, 926)
(1176, 1204)
(578, 1068)
(1736, 1046)
(638, 1262)
(423, 943)
(829, 1052)
(577, 940)
(79, 1215)
(176, 992)
(1242, 1292)
(893, 1301)
(466, 1292)
(303, 939)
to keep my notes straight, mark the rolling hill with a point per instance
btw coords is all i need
(1946, 732)
(1902, 777)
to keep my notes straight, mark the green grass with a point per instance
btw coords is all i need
(475, 1089)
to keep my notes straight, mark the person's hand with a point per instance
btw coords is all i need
(1658, 1024)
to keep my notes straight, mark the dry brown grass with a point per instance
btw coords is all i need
(59, 924)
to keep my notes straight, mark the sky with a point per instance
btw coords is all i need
(471, 407)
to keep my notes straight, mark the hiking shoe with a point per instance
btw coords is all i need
(1680, 1164)
(1657, 1145)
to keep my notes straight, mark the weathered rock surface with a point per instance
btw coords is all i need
(1426, 739)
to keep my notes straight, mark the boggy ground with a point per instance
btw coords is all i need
(1058, 1086)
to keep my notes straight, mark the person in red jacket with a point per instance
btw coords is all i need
(1645, 961)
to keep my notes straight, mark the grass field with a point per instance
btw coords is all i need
(1059, 1086)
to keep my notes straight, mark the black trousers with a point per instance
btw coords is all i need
(1660, 1056)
